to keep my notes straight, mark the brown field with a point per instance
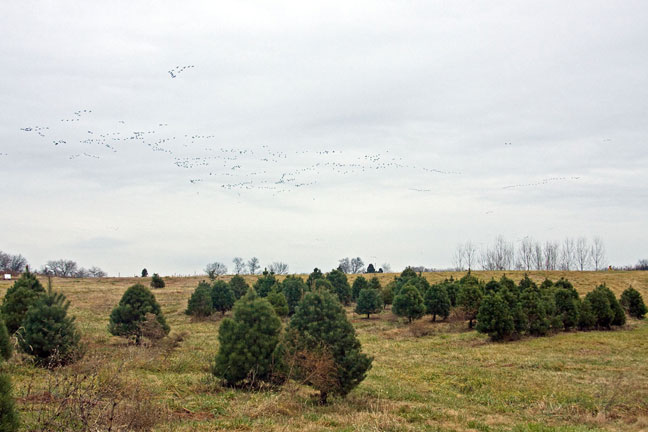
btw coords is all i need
(427, 376)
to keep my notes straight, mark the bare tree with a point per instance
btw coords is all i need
(598, 253)
(81, 273)
(62, 267)
(96, 272)
(538, 256)
(526, 254)
(239, 265)
(253, 265)
(582, 254)
(357, 265)
(215, 269)
(12, 263)
(567, 254)
(470, 254)
(278, 267)
(550, 254)
(458, 258)
(344, 265)
(386, 267)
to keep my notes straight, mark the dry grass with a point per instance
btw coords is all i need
(428, 376)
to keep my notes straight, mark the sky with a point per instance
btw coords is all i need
(168, 135)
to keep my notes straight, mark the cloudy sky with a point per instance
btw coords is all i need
(171, 134)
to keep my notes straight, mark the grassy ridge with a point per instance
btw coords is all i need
(425, 376)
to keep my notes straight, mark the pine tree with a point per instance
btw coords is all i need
(8, 414)
(469, 299)
(315, 275)
(601, 309)
(6, 348)
(409, 303)
(320, 323)
(144, 273)
(369, 302)
(437, 301)
(265, 283)
(341, 285)
(633, 303)
(222, 297)
(567, 307)
(374, 283)
(586, 317)
(200, 303)
(278, 302)
(48, 333)
(359, 284)
(127, 317)
(157, 281)
(249, 348)
(387, 294)
(238, 286)
(535, 310)
(19, 297)
(492, 287)
(495, 317)
(619, 317)
(293, 288)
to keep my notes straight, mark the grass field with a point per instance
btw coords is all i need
(427, 376)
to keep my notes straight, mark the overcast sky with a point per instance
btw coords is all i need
(306, 132)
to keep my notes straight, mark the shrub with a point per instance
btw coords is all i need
(265, 283)
(387, 294)
(320, 326)
(633, 303)
(222, 297)
(566, 307)
(19, 297)
(249, 348)
(359, 284)
(157, 281)
(600, 305)
(494, 317)
(293, 288)
(200, 303)
(369, 301)
(535, 310)
(126, 317)
(8, 414)
(48, 333)
(437, 301)
(341, 285)
(6, 349)
(238, 286)
(586, 317)
(279, 303)
(619, 317)
(409, 303)
(469, 299)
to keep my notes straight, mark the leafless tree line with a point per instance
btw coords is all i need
(13, 264)
(253, 265)
(529, 254)
(69, 268)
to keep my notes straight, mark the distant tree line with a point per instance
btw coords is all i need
(13, 264)
(529, 254)
(67, 268)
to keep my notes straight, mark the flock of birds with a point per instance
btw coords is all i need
(232, 168)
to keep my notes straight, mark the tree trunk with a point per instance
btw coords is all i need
(470, 323)
(433, 317)
(367, 316)
(323, 396)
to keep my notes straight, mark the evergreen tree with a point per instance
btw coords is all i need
(324, 285)
(315, 275)
(567, 308)
(437, 301)
(633, 303)
(144, 272)
(565, 284)
(19, 297)
(359, 284)
(200, 303)
(409, 303)
(535, 310)
(452, 288)
(469, 299)
(8, 414)
(600, 305)
(369, 301)
(222, 297)
(547, 283)
(495, 317)
(320, 323)
(249, 348)
(279, 303)
(238, 286)
(506, 282)
(586, 317)
(526, 283)
(371, 268)
(619, 317)
(374, 283)
(6, 349)
(265, 283)
(126, 318)
(492, 287)
(48, 333)
(341, 285)
(387, 294)
(157, 281)
(293, 288)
